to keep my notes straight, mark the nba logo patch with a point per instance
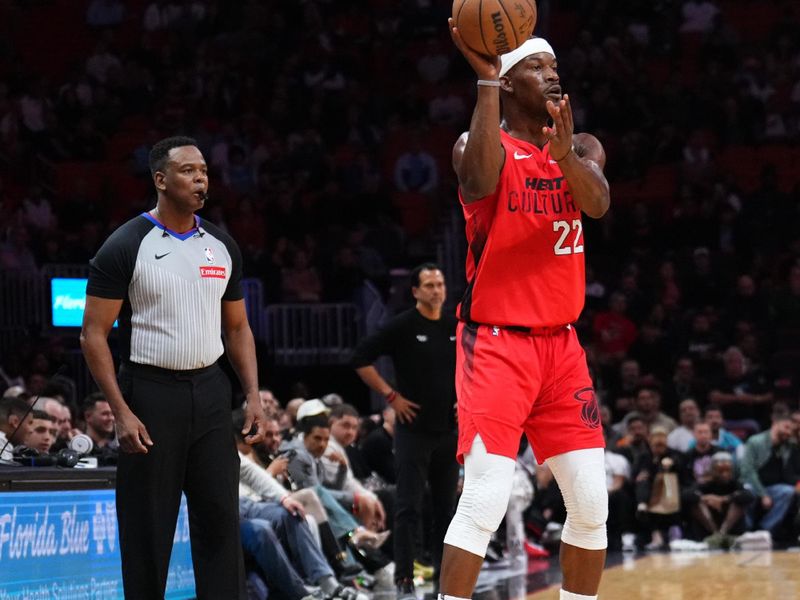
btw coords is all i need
(209, 255)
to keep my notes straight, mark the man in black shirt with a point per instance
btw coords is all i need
(421, 343)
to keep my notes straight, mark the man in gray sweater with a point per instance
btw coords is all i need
(771, 470)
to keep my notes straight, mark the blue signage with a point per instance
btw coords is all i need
(68, 301)
(64, 546)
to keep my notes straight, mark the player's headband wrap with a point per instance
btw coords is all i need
(531, 46)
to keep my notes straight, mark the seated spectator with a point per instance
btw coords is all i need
(745, 395)
(63, 416)
(345, 431)
(343, 421)
(261, 497)
(634, 444)
(682, 385)
(269, 403)
(771, 470)
(648, 404)
(307, 470)
(15, 423)
(698, 458)
(720, 503)
(720, 437)
(99, 421)
(660, 479)
(42, 433)
(680, 437)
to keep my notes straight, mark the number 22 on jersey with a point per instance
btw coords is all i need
(562, 245)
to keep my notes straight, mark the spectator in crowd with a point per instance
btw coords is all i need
(42, 433)
(262, 498)
(719, 504)
(682, 385)
(720, 437)
(698, 458)
(307, 470)
(269, 403)
(660, 479)
(680, 437)
(63, 416)
(337, 472)
(15, 423)
(634, 444)
(99, 419)
(744, 394)
(648, 404)
(771, 470)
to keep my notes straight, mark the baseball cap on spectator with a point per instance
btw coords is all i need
(331, 400)
(310, 408)
(701, 251)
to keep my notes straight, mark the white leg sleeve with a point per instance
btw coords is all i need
(487, 486)
(581, 475)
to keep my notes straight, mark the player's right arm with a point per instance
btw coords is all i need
(478, 154)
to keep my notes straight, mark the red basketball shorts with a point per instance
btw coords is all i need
(509, 382)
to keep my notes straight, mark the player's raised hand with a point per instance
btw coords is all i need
(485, 67)
(560, 134)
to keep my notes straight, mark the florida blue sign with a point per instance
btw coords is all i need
(64, 546)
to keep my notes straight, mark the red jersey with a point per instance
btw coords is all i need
(525, 263)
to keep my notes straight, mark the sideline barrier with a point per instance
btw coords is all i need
(60, 542)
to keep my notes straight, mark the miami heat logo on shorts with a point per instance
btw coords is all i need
(590, 410)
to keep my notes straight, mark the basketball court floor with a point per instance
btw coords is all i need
(672, 576)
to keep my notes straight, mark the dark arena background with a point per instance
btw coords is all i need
(328, 127)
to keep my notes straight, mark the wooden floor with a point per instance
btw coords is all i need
(696, 576)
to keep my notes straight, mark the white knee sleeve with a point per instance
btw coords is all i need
(581, 475)
(487, 486)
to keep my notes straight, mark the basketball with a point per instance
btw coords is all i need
(494, 27)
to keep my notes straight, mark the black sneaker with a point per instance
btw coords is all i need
(405, 589)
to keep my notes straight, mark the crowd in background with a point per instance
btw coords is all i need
(328, 127)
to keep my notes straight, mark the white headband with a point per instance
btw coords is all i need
(531, 46)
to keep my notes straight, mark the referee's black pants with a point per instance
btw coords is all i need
(188, 417)
(422, 458)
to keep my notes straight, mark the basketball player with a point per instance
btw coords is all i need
(524, 179)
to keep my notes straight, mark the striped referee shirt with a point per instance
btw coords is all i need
(172, 285)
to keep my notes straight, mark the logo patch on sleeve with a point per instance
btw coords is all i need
(214, 272)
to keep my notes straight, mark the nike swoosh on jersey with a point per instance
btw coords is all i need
(519, 156)
(160, 256)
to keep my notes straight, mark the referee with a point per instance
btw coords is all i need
(421, 343)
(173, 281)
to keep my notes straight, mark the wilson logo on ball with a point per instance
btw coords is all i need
(494, 27)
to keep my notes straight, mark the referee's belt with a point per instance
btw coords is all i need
(533, 331)
(140, 368)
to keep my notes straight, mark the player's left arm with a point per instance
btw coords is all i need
(581, 158)
(241, 347)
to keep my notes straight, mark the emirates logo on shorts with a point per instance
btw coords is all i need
(590, 410)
